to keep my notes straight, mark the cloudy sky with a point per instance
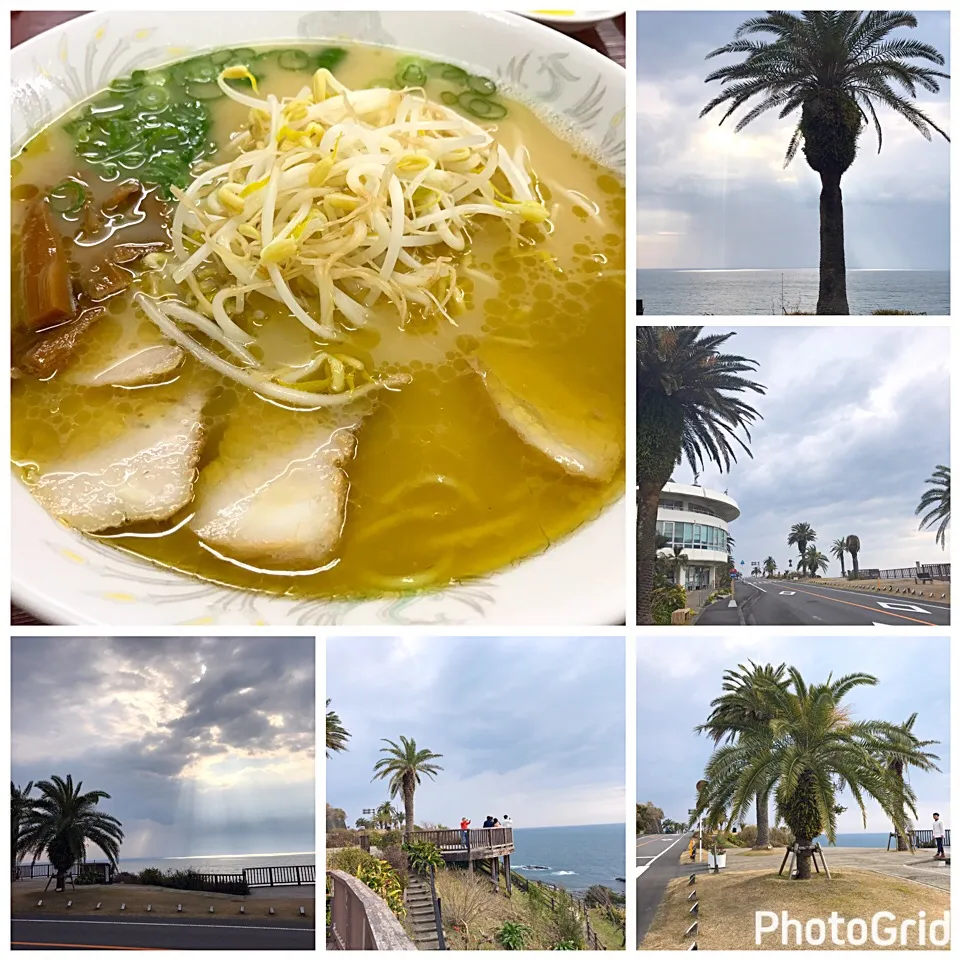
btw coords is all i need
(674, 694)
(206, 745)
(712, 198)
(530, 727)
(854, 421)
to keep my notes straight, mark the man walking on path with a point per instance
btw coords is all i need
(465, 831)
(938, 834)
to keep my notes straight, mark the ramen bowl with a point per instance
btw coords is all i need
(62, 576)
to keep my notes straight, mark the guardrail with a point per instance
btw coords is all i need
(927, 571)
(360, 920)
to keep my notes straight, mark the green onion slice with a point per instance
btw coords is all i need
(481, 85)
(481, 107)
(68, 196)
(293, 60)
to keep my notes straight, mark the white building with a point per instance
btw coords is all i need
(696, 519)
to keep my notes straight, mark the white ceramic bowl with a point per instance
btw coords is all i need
(63, 577)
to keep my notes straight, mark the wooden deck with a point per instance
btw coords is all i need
(482, 844)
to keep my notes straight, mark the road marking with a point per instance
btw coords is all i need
(908, 607)
(860, 606)
(642, 870)
(758, 587)
(787, 593)
(141, 923)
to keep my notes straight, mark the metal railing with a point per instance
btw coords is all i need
(481, 839)
(360, 920)
(927, 571)
(437, 910)
(280, 876)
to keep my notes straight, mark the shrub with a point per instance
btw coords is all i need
(464, 897)
(123, 876)
(382, 879)
(192, 880)
(421, 855)
(398, 860)
(87, 877)
(567, 922)
(779, 836)
(598, 896)
(348, 859)
(512, 936)
(342, 838)
(386, 838)
(666, 600)
(566, 945)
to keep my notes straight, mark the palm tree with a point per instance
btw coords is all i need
(404, 764)
(814, 561)
(835, 67)
(937, 501)
(744, 710)
(812, 749)
(20, 804)
(677, 560)
(62, 820)
(899, 751)
(385, 815)
(800, 535)
(337, 736)
(839, 548)
(769, 566)
(362, 823)
(853, 548)
(687, 407)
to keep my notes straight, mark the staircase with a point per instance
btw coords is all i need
(421, 920)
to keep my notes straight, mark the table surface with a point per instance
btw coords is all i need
(607, 37)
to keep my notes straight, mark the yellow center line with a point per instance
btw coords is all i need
(874, 610)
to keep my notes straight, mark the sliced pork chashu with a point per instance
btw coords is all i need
(582, 434)
(146, 473)
(283, 505)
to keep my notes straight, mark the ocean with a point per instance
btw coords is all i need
(758, 292)
(575, 857)
(217, 864)
(877, 840)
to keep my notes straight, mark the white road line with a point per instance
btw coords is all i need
(642, 870)
(137, 923)
(755, 586)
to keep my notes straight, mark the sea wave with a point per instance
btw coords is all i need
(564, 873)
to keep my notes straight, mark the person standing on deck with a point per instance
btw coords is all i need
(465, 831)
(938, 835)
(488, 822)
(507, 822)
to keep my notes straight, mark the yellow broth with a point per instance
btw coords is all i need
(441, 488)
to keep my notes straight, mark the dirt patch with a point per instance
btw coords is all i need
(163, 902)
(729, 903)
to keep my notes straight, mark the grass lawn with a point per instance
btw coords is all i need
(728, 903)
(611, 936)
(163, 901)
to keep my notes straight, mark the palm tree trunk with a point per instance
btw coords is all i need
(408, 789)
(763, 821)
(61, 881)
(804, 858)
(832, 299)
(648, 498)
(843, 569)
(856, 567)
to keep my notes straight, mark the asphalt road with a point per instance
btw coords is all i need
(658, 862)
(80, 933)
(781, 603)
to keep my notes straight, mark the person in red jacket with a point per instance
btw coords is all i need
(464, 828)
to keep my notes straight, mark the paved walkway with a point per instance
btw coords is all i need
(919, 867)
